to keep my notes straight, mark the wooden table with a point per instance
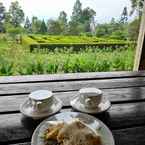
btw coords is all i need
(126, 91)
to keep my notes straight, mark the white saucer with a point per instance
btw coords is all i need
(102, 107)
(28, 111)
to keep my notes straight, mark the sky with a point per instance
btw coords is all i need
(46, 9)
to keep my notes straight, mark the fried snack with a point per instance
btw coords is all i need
(77, 133)
(52, 132)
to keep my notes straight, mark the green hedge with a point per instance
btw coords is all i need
(76, 42)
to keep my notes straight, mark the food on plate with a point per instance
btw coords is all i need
(72, 133)
(52, 132)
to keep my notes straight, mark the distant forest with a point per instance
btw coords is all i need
(82, 22)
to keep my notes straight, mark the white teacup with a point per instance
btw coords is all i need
(90, 97)
(41, 100)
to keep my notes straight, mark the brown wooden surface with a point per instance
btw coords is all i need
(126, 91)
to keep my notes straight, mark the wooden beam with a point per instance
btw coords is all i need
(139, 63)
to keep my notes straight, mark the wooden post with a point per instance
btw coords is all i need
(139, 63)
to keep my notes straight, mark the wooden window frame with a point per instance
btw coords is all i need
(139, 63)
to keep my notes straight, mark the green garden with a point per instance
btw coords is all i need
(65, 46)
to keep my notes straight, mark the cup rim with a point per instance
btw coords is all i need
(91, 91)
(40, 95)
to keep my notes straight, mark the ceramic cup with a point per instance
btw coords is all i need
(90, 97)
(41, 100)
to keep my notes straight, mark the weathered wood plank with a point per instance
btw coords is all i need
(71, 85)
(70, 77)
(12, 102)
(14, 127)
(26, 143)
(128, 136)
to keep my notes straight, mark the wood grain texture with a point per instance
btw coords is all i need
(126, 91)
(11, 103)
(26, 143)
(128, 136)
(120, 116)
(70, 77)
(23, 88)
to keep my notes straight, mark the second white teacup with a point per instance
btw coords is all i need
(41, 100)
(90, 97)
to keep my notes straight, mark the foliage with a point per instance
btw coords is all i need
(133, 29)
(113, 29)
(137, 6)
(27, 25)
(77, 12)
(16, 14)
(62, 19)
(43, 28)
(77, 42)
(36, 24)
(2, 17)
(54, 27)
(124, 16)
(17, 61)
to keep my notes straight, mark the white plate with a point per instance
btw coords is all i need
(92, 122)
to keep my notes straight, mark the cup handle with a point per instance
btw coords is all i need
(88, 101)
(35, 104)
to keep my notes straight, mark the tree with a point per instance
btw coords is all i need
(124, 16)
(63, 17)
(63, 21)
(87, 14)
(54, 27)
(43, 28)
(137, 6)
(77, 12)
(36, 24)
(2, 17)
(87, 19)
(16, 14)
(27, 25)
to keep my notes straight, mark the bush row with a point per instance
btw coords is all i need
(75, 42)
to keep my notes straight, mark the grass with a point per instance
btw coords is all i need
(15, 60)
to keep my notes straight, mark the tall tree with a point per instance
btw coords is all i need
(2, 16)
(43, 28)
(63, 22)
(27, 25)
(124, 16)
(77, 12)
(16, 14)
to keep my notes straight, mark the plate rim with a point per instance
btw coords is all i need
(47, 119)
